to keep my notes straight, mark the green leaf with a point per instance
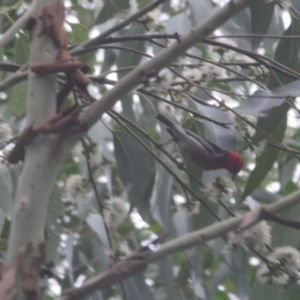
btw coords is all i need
(167, 277)
(161, 199)
(6, 201)
(22, 49)
(265, 161)
(17, 103)
(261, 16)
(286, 54)
(109, 60)
(290, 293)
(136, 169)
(136, 288)
(265, 291)
(239, 263)
(79, 34)
(286, 171)
(129, 58)
(56, 206)
(282, 235)
(111, 8)
(52, 243)
(96, 223)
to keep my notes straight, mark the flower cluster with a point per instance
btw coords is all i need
(221, 189)
(283, 263)
(115, 212)
(258, 237)
(5, 132)
(121, 252)
(76, 189)
(92, 152)
(190, 208)
(243, 131)
(219, 53)
(202, 75)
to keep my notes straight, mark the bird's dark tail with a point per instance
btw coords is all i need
(165, 120)
(170, 125)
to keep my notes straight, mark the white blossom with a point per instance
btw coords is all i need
(219, 53)
(5, 132)
(165, 78)
(211, 72)
(115, 212)
(93, 153)
(121, 252)
(78, 151)
(241, 58)
(258, 237)
(257, 149)
(271, 273)
(76, 189)
(193, 74)
(221, 189)
(240, 126)
(166, 108)
(95, 157)
(124, 250)
(190, 208)
(151, 19)
(288, 256)
(284, 262)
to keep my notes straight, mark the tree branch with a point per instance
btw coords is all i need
(137, 76)
(181, 243)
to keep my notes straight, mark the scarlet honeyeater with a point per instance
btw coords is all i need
(200, 152)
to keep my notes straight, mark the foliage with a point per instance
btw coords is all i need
(238, 89)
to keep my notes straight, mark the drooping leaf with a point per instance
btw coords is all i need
(221, 273)
(161, 199)
(199, 11)
(17, 103)
(265, 161)
(6, 201)
(95, 221)
(167, 277)
(136, 288)
(262, 101)
(136, 168)
(22, 49)
(79, 33)
(111, 8)
(56, 206)
(239, 263)
(261, 16)
(286, 54)
(128, 58)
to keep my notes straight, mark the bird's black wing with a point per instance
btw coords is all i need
(211, 147)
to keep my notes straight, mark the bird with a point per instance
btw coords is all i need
(200, 152)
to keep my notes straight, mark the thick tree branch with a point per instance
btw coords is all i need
(41, 161)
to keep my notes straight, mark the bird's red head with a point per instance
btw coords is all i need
(234, 163)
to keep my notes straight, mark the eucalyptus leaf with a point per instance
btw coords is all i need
(136, 170)
(261, 16)
(96, 223)
(111, 8)
(6, 201)
(265, 161)
(262, 101)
